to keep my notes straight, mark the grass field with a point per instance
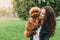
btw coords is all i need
(13, 29)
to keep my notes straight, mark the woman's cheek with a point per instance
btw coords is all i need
(40, 17)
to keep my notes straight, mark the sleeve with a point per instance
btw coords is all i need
(44, 36)
(31, 37)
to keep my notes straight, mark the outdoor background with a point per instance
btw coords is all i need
(15, 13)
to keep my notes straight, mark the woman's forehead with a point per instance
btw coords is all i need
(42, 9)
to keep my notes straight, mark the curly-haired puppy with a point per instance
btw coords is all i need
(33, 22)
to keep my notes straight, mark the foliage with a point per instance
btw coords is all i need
(22, 6)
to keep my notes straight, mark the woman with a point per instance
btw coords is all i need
(48, 24)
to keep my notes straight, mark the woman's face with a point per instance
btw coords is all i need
(42, 14)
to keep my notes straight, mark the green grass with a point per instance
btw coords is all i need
(13, 29)
(57, 32)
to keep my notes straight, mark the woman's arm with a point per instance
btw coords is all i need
(31, 37)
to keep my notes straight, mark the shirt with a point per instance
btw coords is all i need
(36, 36)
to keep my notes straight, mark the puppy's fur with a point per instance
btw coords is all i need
(33, 22)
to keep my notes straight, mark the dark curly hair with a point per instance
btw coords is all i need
(50, 19)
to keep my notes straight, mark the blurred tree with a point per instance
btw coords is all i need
(22, 6)
(55, 4)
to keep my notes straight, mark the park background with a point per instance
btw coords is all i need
(15, 13)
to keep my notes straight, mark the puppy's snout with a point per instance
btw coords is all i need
(35, 16)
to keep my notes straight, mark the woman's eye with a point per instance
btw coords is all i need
(42, 14)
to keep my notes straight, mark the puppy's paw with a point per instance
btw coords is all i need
(27, 34)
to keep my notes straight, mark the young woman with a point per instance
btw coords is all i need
(48, 24)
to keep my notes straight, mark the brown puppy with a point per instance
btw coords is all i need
(33, 22)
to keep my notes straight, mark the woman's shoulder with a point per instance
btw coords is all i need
(44, 29)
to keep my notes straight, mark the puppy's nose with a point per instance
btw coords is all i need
(35, 15)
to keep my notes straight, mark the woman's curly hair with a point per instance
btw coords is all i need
(50, 19)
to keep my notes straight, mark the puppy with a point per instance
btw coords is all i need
(33, 22)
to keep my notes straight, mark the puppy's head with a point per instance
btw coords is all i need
(34, 12)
